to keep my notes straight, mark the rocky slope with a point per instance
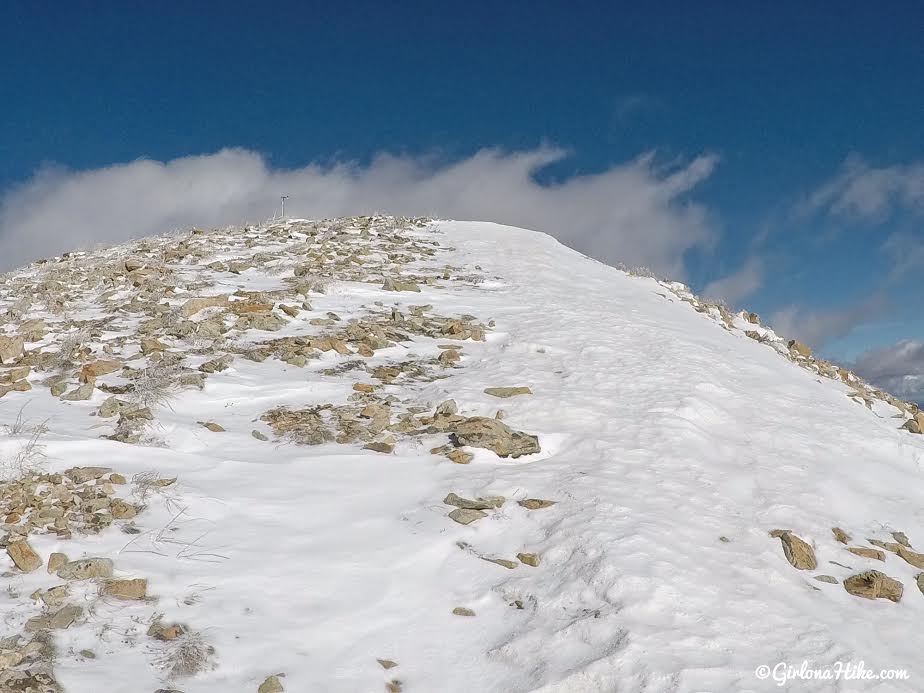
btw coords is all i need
(407, 455)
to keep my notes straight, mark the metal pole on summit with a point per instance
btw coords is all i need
(284, 198)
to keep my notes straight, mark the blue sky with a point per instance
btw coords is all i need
(812, 114)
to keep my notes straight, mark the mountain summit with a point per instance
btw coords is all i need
(380, 454)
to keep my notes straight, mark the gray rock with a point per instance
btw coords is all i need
(86, 569)
(494, 435)
(466, 516)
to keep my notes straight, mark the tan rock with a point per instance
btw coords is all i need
(378, 446)
(875, 554)
(797, 552)
(507, 391)
(90, 371)
(86, 569)
(125, 589)
(799, 348)
(529, 559)
(122, 510)
(510, 565)
(60, 620)
(55, 561)
(117, 479)
(386, 663)
(912, 557)
(24, 556)
(902, 539)
(460, 456)
(81, 475)
(364, 387)
(494, 435)
(462, 611)
(874, 585)
(535, 503)
(478, 504)
(194, 305)
(212, 426)
(466, 517)
(11, 349)
(912, 426)
(840, 535)
(80, 394)
(271, 685)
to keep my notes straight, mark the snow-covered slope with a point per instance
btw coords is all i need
(671, 443)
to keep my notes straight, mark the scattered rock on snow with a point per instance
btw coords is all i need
(271, 684)
(466, 516)
(505, 392)
(24, 556)
(479, 504)
(535, 503)
(86, 569)
(482, 432)
(797, 552)
(11, 348)
(874, 585)
(462, 611)
(840, 535)
(875, 554)
(530, 559)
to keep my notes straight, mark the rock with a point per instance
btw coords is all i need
(87, 654)
(449, 357)
(466, 517)
(122, 510)
(462, 611)
(80, 394)
(291, 311)
(259, 436)
(116, 479)
(364, 387)
(507, 391)
(394, 686)
(919, 579)
(915, 559)
(460, 456)
(529, 559)
(494, 435)
(194, 305)
(867, 553)
(395, 285)
(912, 426)
(271, 685)
(827, 578)
(535, 503)
(799, 348)
(386, 448)
(510, 565)
(797, 552)
(386, 663)
(752, 318)
(479, 504)
(125, 589)
(840, 535)
(149, 345)
(887, 545)
(60, 620)
(159, 631)
(11, 349)
(86, 569)
(92, 371)
(217, 365)
(212, 426)
(55, 561)
(902, 539)
(447, 408)
(81, 475)
(24, 556)
(874, 585)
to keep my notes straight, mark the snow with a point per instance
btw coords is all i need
(661, 432)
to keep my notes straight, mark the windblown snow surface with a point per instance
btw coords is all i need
(661, 431)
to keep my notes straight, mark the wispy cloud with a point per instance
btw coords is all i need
(817, 328)
(898, 369)
(637, 212)
(739, 285)
(860, 192)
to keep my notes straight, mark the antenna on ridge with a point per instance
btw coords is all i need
(284, 198)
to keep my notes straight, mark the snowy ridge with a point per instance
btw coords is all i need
(670, 445)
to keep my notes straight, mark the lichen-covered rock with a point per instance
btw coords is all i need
(874, 585)
(482, 432)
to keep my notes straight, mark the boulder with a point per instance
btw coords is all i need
(874, 585)
(491, 434)
(797, 552)
(11, 349)
(125, 589)
(86, 569)
(24, 556)
(479, 504)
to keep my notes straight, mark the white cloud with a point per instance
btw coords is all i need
(739, 285)
(635, 212)
(860, 192)
(898, 369)
(817, 328)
